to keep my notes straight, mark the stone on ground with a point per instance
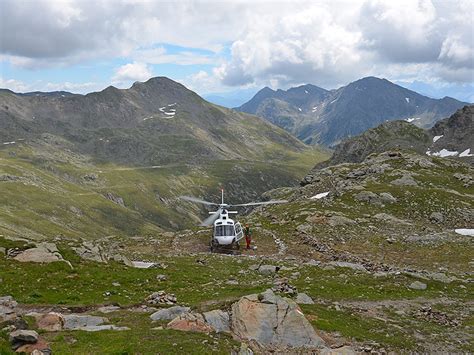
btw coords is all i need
(272, 320)
(268, 269)
(169, 313)
(21, 337)
(43, 253)
(75, 321)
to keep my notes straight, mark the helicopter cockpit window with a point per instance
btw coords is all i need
(223, 231)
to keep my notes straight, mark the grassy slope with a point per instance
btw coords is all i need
(53, 198)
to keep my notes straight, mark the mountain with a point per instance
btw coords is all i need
(318, 116)
(115, 162)
(452, 136)
(156, 122)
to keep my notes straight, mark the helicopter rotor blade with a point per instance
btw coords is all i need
(259, 203)
(197, 200)
(209, 221)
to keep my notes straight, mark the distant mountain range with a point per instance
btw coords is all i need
(156, 122)
(449, 137)
(319, 116)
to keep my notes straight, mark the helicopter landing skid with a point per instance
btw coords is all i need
(231, 249)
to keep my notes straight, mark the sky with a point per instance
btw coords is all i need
(234, 48)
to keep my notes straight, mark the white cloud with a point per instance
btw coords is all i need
(160, 56)
(131, 72)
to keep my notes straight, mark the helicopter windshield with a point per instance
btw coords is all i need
(224, 231)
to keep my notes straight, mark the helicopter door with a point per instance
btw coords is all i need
(239, 234)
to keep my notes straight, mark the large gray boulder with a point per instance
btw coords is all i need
(268, 269)
(43, 253)
(20, 337)
(169, 313)
(218, 319)
(272, 321)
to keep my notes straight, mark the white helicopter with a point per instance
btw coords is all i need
(227, 233)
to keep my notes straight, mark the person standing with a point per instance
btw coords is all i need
(248, 235)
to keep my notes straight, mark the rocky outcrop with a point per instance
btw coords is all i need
(161, 297)
(90, 251)
(218, 320)
(272, 321)
(189, 321)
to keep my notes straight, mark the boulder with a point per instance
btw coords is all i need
(367, 196)
(43, 253)
(303, 298)
(20, 337)
(51, 322)
(417, 285)
(161, 297)
(405, 180)
(437, 217)
(7, 308)
(272, 320)
(41, 347)
(75, 321)
(386, 197)
(193, 322)
(219, 320)
(90, 251)
(353, 266)
(169, 313)
(268, 269)
(336, 221)
(385, 217)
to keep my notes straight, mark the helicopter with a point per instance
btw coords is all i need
(227, 233)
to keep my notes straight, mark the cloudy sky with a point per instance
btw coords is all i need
(237, 46)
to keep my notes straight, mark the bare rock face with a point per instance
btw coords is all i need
(92, 252)
(169, 313)
(219, 320)
(272, 321)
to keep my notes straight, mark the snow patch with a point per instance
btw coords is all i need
(306, 92)
(466, 153)
(8, 143)
(333, 101)
(445, 153)
(465, 231)
(299, 109)
(167, 110)
(411, 119)
(407, 99)
(436, 138)
(319, 196)
(315, 108)
(142, 264)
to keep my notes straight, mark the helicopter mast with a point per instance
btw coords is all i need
(222, 193)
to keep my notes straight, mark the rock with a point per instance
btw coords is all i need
(232, 282)
(405, 180)
(304, 228)
(115, 199)
(75, 321)
(244, 350)
(437, 217)
(169, 313)
(353, 266)
(51, 322)
(386, 197)
(122, 259)
(7, 309)
(193, 322)
(219, 320)
(336, 221)
(385, 217)
(303, 298)
(282, 285)
(43, 253)
(41, 347)
(161, 277)
(417, 285)
(343, 350)
(20, 337)
(89, 251)
(268, 269)
(108, 309)
(367, 196)
(161, 297)
(441, 277)
(272, 320)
